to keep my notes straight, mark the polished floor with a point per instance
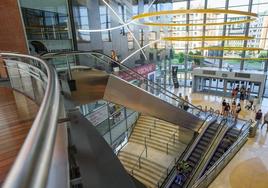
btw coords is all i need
(17, 113)
(249, 167)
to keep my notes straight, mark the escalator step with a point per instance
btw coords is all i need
(207, 134)
(193, 159)
(212, 132)
(206, 139)
(196, 155)
(191, 163)
(198, 150)
(218, 155)
(203, 143)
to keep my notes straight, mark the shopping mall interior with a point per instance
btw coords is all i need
(134, 93)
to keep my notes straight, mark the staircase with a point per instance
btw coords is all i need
(162, 147)
(162, 134)
(149, 173)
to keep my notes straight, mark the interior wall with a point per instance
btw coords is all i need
(12, 36)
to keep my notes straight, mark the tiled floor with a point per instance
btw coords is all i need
(249, 168)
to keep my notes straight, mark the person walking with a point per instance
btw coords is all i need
(226, 110)
(186, 103)
(233, 108)
(238, 110)
(258, 117)
(223, 106)
(265, 121)
(114, 64)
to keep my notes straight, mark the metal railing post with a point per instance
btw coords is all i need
(150, 133)
(146, 151)
(140, 162)
(154, 123)
(167, 148)
(145, 141)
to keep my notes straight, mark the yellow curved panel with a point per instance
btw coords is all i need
(228, 48)
(155, 24)
(230, 58)
(206, 38)
(185, 11)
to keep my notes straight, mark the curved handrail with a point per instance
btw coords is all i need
(32, 164)
(46, 56)
(245, 124)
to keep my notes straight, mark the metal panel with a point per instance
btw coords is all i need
(121, 92)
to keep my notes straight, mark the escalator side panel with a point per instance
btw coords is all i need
(121, 92)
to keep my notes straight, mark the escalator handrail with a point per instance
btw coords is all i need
(249, 122)
(220, 126)
(200, 128)
(125, 67)
(32, 164)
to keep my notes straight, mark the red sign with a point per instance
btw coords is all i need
(144, 70)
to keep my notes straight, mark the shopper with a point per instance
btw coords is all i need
(233, 108)
(180, 102)
(258, 117)
(242, 93)
(238, 110)
(265, 121)
(226, 109)
(249, 106)
(114, 64)
(186, 103)
(223, 106)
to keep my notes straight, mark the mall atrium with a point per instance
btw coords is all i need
(133, 93)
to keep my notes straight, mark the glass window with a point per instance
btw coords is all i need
(105, 20)
(82, 23)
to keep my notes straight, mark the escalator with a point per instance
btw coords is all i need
(199, 149)
(93, 84)
(232, 135)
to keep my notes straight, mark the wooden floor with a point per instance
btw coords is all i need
(17, 113)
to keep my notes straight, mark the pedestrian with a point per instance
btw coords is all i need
(186, 103)
(233, 108)
(114, 62)
(238, 110)
(258, 117)
(223, 106)
(265, 121)
(226, 109)
(180, 102)
(242, 93)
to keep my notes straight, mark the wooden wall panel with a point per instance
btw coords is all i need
(12, 36)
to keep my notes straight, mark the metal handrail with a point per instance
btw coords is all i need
(175, 97)
(32, 164)
(245, 124)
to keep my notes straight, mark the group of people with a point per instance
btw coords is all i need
(184, 104)
(233, 109)
(242, 92)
